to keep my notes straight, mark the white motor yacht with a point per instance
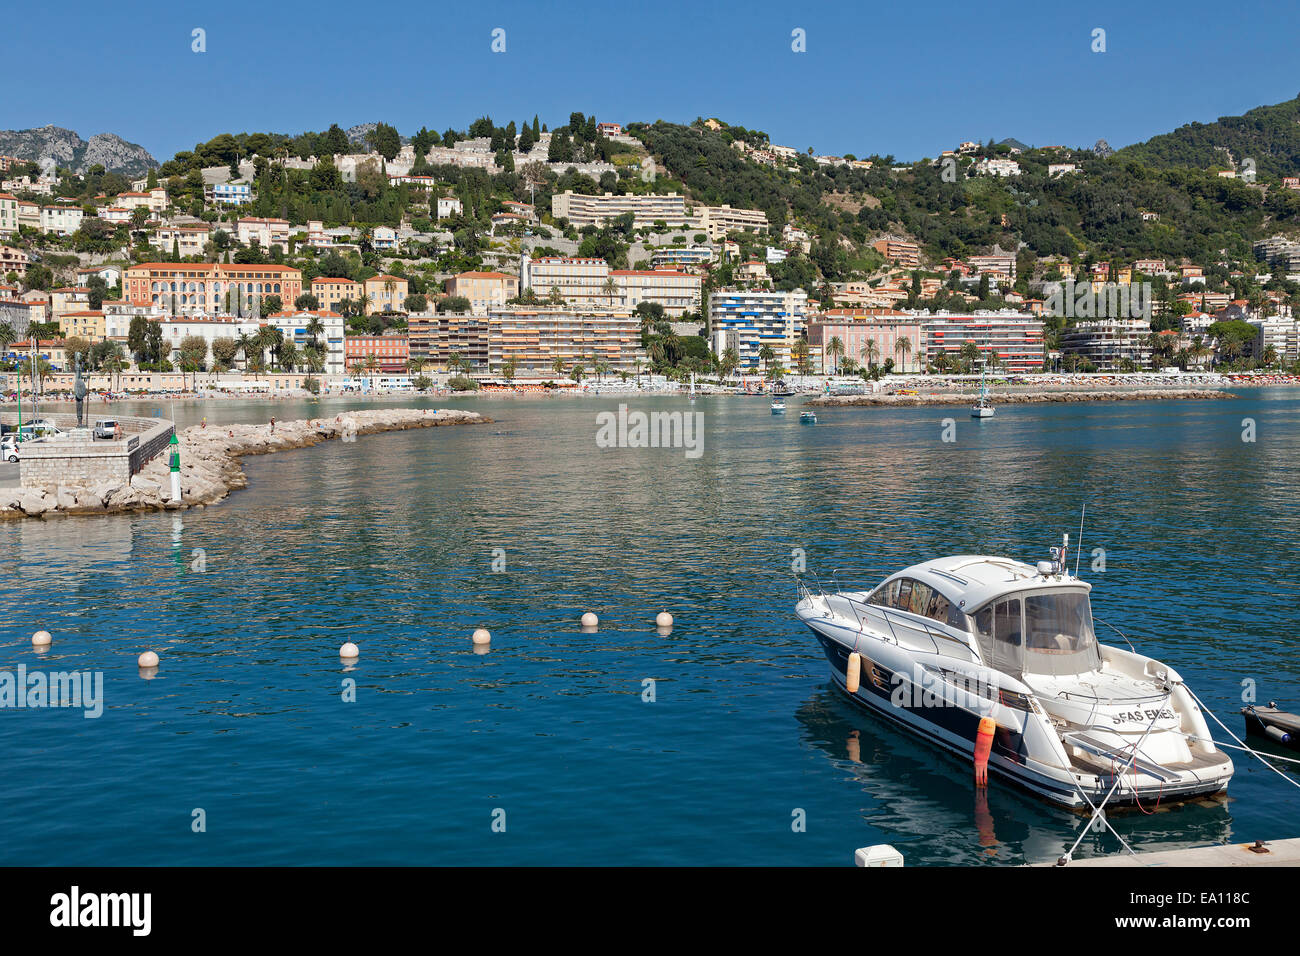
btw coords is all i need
(944, 644)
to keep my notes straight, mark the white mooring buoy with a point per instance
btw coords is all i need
(148, 659)
(482, 636)
(590, 620)
(663, 619)
(349, 650)
(41, 639)
(882, 854)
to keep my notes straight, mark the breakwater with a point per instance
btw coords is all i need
(1024, 398)
(211, 463)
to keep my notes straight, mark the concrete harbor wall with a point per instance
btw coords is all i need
(210, 462)
(79, 461)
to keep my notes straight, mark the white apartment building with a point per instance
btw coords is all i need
(8, 213)
(449, 206)
(1107, 343)
(294, 324)
(690, 256)
(997, 167)
(581, 210)
(581, 282)
(188, 240)
(748, 320)
(61, 220)
(717, 221)
(175, 329)
(265, 232)
(1279, 334)
(677, 292)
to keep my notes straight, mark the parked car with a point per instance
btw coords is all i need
(107, 428)
(9, 450)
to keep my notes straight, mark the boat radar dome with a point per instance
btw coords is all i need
(1046, 567)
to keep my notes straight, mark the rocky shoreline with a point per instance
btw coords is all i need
(1024, 398)
(211, 462)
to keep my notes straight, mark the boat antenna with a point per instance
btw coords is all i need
(1078, 546)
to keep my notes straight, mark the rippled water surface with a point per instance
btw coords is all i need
(389, 542)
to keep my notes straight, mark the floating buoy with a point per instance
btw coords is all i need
(663, 619)
(590, 620)
(983, 744)
(481, 636)
(882, 854)
(148, 659)
(41, 639)
(854, 673)
(349, 650)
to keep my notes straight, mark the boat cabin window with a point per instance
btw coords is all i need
(916, 597)
(1038, 633)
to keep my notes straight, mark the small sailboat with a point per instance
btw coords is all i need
(778, 406)
(808, 418)
(982, 407)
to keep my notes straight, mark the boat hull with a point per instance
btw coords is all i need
(1015, 757)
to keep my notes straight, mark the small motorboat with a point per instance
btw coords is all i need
(807, 418)
(1277, 725)
(778, 406)
(997, 660)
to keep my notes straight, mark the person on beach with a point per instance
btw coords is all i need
(272, 423)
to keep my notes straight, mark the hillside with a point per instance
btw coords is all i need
(69, 150)
(1270, 135)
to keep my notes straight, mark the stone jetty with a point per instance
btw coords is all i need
(211, 462)
(1024, 398)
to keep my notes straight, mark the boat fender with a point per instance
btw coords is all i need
(1278, 734)
(853, 675)
(983, 744)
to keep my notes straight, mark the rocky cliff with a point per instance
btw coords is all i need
(67, 149)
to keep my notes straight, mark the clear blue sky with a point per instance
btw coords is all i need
(908, 79)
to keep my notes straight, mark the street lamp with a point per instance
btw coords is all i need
(20, 327)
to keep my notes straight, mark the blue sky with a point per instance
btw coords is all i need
(908, 79)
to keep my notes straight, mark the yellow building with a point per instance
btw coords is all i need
(87, 324)
(329, 292)
(484, 290)
(386, 293)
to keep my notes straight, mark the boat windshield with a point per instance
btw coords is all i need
(1038, 632)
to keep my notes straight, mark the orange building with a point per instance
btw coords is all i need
(190, 287)
(390, 352)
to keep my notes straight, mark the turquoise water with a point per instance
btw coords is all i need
(390, 543)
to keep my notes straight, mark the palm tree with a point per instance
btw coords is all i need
(557, 366)
(870, 352)
(765, 355)
(903, 348)
(728, 362)
(269, 337)
(314, 328)
(835, 349)
(415, 365)
(610, 288)
(454, 362)
(245, 343)
(970, 354)
(576, 372)
(7, 335)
